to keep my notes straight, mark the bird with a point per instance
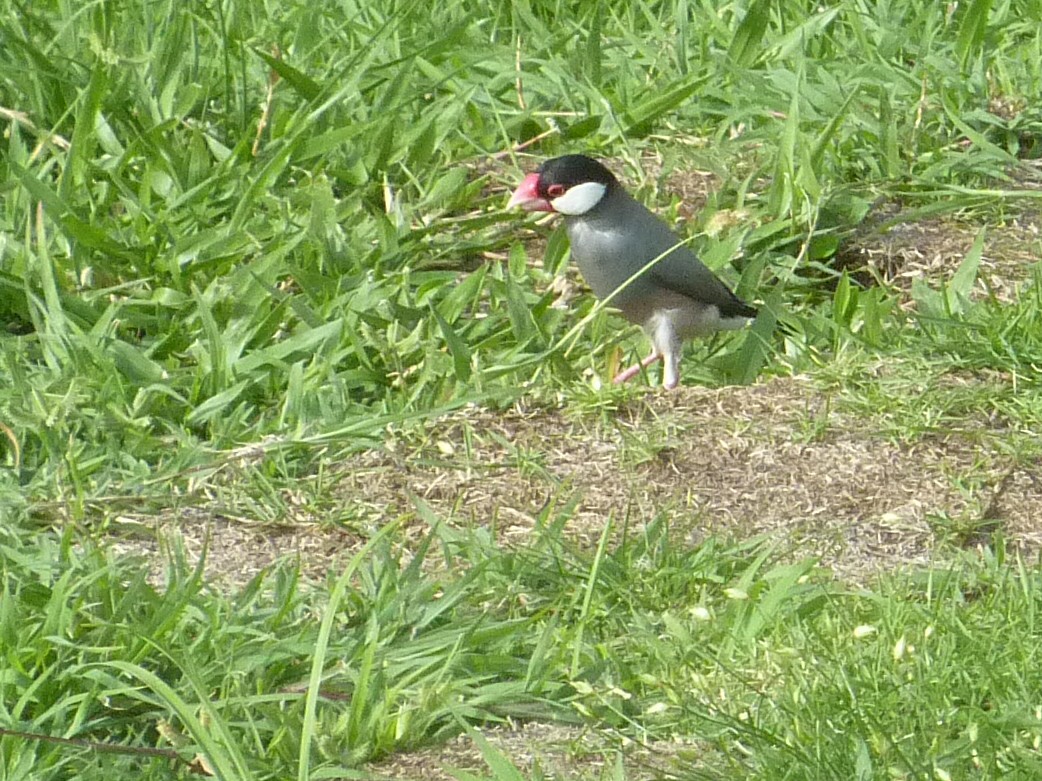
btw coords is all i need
(613, 237)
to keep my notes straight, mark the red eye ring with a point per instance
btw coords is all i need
(555, 190)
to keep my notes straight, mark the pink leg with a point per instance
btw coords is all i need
(635, 369)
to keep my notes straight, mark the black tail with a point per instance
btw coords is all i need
(736, 307)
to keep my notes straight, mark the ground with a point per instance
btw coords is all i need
(772, 458)
(777, 458)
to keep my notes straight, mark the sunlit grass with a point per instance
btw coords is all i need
(240, 242)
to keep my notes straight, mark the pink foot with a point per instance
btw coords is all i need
(635, 369)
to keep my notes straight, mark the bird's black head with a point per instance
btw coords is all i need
(570, 185)
(562, 173)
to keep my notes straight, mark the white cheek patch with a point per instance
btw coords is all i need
(579, 199)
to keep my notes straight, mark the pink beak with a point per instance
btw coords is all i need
(527, 196)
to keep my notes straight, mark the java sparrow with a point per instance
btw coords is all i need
(613, 237)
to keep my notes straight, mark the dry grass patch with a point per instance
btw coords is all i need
(777, 459)
(931, 249)
(773, 459)
(236, 548)
(559, 751)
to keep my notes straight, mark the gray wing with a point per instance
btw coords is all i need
(681, 271)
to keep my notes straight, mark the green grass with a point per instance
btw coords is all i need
(768, 665)
(240, 242)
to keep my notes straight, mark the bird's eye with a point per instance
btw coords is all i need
(555, 190)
